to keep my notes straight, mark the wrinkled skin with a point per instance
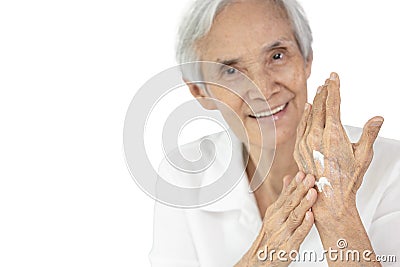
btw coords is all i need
(334, 211)
(345, 163)
(287, 221)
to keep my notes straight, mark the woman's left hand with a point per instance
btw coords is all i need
(324, 150)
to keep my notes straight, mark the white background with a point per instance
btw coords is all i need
(68, 71)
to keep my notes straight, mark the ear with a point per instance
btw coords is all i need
(201, 95)
(309, 64)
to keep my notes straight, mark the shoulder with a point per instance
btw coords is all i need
(200, 150)
(198, 162)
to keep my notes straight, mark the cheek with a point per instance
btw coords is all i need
(231, 108)
(294, 78)
(227, 101)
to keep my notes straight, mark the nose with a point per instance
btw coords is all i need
(265, 87)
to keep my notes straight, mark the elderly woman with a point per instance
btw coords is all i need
(307, 200)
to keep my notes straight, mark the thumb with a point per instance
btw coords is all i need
(368, 137)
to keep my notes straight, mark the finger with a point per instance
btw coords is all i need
(315, 134)
(333, 100)
(296, 217)
(289, 185)
(294, 199)
(306, 144)
(294, 183)
(286, 181)
(308, 124)
(370, 132)
(302, 231)
(314, 111)
(318, 110)
(301, 128)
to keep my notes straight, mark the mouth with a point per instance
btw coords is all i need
(269, 113)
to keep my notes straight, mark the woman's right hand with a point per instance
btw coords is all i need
(285, 225)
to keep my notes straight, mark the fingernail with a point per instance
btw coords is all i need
(307, 216)
(319, 89)
(299, 177)
(333, 76)
(308, 196)
(306, 106)
(377, 123)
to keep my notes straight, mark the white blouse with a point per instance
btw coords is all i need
(221, 233)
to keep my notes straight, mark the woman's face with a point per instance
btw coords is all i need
(255, 38)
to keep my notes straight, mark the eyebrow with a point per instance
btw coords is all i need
(276, 44)
(229, 62)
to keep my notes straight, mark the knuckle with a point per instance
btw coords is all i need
(302, 188)
(286, 193)
(295, 218)
(294, 222)
(289, 189)
(290, 203)
(304, 206)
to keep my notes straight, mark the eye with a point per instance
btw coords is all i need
(231, 71)
(277, 56)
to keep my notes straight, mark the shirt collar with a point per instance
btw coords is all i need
(239, 195)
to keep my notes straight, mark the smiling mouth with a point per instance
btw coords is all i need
(269, 112)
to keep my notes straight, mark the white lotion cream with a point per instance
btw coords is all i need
(323, 181)
(318, 157)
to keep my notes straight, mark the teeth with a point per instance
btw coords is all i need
(269, 112)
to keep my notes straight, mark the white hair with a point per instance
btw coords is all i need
(198, 21)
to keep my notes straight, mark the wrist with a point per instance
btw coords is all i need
(346, 225)
(348, 235)
(330, 216)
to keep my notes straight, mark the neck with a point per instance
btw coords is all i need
(269, 180)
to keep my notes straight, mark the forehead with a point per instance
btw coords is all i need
(245, 27)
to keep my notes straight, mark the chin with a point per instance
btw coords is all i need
(285, 134)
(285, 137)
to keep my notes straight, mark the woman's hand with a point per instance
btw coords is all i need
(286, 223)
(324, 150)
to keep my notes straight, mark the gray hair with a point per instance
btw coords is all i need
(198, 21)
